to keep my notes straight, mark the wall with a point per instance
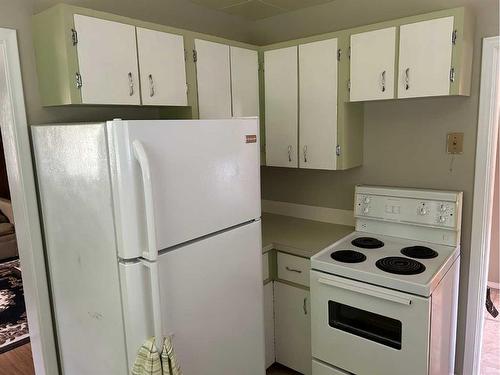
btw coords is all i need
(16, 14)
(494, 270)
(404, 139)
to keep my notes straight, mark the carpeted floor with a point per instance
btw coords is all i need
(490, 355)
(13, 321)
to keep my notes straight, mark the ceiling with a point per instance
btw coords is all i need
(258, 9)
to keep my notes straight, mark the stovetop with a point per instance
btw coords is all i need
(407, 265)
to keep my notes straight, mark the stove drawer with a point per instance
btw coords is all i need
(294, 269)
(366, 329)
(319, 368)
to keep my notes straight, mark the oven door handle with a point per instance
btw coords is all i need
(366, 291)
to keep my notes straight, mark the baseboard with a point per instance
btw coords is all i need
(493, 285)
(323, 214)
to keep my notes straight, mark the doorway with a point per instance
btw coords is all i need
(483, 211)
(21, 186)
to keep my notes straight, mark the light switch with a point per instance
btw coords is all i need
(455, 143)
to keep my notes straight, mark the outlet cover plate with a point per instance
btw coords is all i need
(455, 143)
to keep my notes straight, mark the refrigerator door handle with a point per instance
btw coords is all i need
(140, 154)
(155, 301)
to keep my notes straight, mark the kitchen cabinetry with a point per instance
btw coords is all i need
(269, 322)
(425, 53)
(281, 107)
(107, 59)
(318, 104)
(162, 67)
(293, 327)
(373, 59)
(213, 74)
(244, 82)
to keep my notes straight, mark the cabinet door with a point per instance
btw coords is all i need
(425, 58)
(213, 75)
(244, 82)
(281, 100)
(269, 323)
(318, 104)
(162, 66)
(373, 62)
(107, 59)
(292, 327)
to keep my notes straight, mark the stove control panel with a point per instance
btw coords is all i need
(407, 210)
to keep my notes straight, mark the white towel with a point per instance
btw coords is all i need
(169, 360)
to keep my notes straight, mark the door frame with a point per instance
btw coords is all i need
(487, 139)
(14, 129)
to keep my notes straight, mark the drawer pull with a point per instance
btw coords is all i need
(293, 269)
(304, 306)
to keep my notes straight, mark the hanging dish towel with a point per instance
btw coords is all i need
(169, 360)
(148, 360)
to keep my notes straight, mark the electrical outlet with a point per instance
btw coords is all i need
(455, 143)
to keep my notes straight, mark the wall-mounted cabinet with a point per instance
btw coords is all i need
(373, 59)
(318, 104)
(107, 71)
(227, 80)
(163, 68)
(281, 106)
(213, 74)
(96, 58)
(425, 50)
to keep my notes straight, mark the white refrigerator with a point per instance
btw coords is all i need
(152, 228)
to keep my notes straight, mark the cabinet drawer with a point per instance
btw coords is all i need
(265, 266)
(294, 269)
(319, 368)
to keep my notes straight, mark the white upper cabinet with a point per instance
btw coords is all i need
(213, 74)
(318, 104)
(244, 82)
(425, 58)
(107, 59)
(162, 66)
(373, 59)
(281, 101)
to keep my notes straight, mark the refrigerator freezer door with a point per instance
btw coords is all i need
(205, 177)
(211, 297)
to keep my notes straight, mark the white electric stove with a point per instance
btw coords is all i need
(384, 298)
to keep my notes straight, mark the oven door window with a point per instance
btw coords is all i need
(374, 327)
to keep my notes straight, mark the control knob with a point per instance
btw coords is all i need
(442, 219)
(366, 200)
(365, 210)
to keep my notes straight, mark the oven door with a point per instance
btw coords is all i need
(365, 329)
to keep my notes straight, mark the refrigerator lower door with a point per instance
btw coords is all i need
(212, 303)
(204, 177)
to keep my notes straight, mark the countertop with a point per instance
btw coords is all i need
(299, 237)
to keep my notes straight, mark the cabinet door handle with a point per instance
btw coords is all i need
(130, 84)
(289, 153)
(151, 86)
(383, 81)
(305, 154)
(304, 306)
(407, 78)
(293, 269)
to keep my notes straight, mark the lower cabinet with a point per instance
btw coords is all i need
(269, 322)
(292, 327)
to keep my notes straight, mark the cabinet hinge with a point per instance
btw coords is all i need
(452, 74)
(339, 53)
(74, 37)
(349, 53)
(187, 88)
(78, 80)
(185, 55)
(195, 56)
(337, 150)
(454, 37)
(348, 85)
